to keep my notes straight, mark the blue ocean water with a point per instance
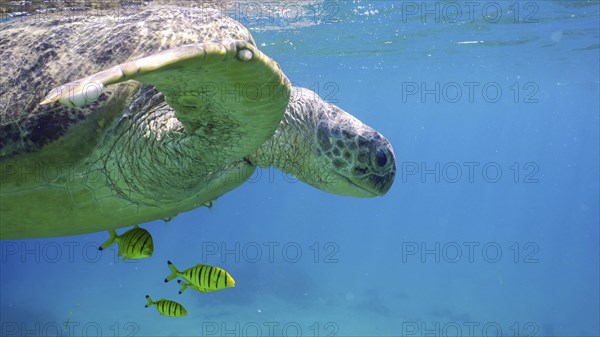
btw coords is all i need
(490, 229)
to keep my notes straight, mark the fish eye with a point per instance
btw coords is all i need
(381, 158)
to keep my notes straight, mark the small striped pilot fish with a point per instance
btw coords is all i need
(136, 243)
(202, 278)
(167, 307)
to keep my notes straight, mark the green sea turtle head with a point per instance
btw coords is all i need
(328, 148)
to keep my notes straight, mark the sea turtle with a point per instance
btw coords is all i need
(163, 111)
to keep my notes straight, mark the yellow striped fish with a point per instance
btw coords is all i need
(136, 243)
(167, 307)
(202, 278)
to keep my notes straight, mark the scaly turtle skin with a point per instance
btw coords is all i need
(162, 111)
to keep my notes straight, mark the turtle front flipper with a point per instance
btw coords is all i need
(228, 93)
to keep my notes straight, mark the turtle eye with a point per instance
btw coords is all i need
(381, 158)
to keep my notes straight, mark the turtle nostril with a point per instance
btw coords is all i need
(380, 158)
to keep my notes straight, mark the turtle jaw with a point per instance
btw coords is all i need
(354, 188)
(365, 187)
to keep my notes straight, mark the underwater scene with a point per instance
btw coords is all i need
(482, 221)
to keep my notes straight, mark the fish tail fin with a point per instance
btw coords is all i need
(184, 286)
(110, 241)
(174, 272)
(150, 302)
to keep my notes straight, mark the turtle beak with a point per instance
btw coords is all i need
(375, 183)
(353, 188)
(383, 173)
(366, 166)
